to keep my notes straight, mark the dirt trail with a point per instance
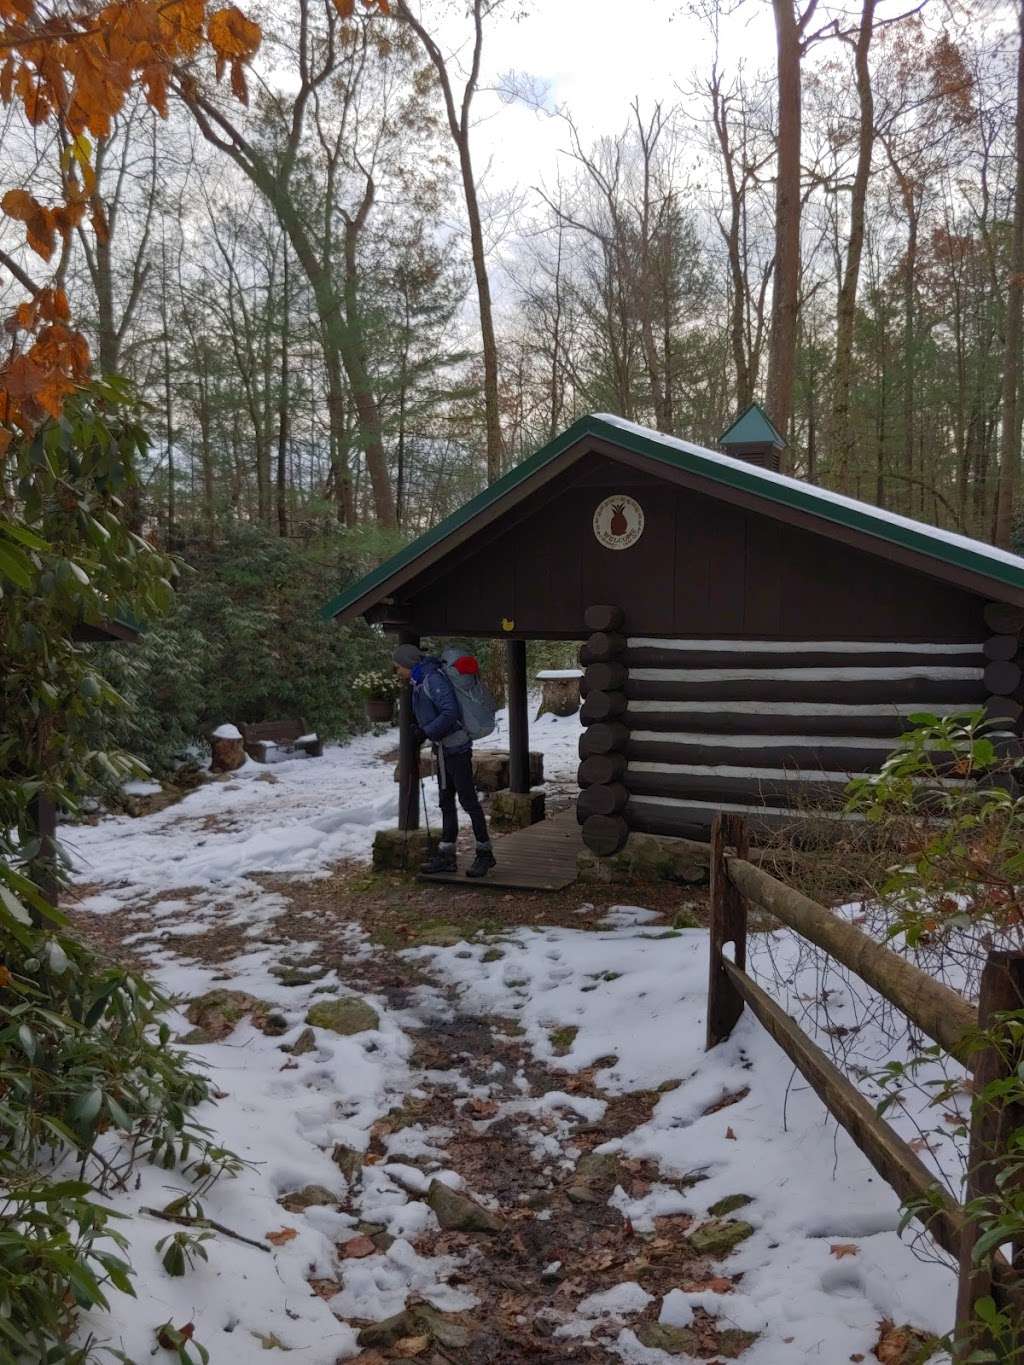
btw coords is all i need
(561, 1241)
(529, 1171)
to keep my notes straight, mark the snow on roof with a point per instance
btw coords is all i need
(785, 484)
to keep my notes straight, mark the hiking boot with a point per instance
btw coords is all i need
(442, 861)
(482, 863)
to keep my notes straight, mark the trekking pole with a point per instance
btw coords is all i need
(423, 804)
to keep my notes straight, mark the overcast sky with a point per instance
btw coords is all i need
(592, 57)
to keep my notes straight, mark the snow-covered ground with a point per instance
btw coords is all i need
(824, 1265)
(295, 817)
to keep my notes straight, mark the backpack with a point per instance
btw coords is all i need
(476, 705)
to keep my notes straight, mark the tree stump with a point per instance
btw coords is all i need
(560, 691)
(228, 749)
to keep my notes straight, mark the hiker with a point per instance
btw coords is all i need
(439, 718)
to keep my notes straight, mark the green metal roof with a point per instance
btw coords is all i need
(752, 427)
(945, 547)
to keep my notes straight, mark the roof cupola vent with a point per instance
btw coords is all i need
(752, 437)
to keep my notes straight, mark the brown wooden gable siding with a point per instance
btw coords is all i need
(703, 567)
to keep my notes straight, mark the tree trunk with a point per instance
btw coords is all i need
(168, 403)
(1009, 441)
(492, 410)
(283, 414)
(782, 350)
(459, 127)
(353, 356)
(206, 457)
(341, 474)
(909, 343)
(842, 430)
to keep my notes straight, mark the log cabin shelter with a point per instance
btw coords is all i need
(748, 638)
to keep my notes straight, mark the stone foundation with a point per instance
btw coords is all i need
(517, 810)
(648, 858)
(400, 850)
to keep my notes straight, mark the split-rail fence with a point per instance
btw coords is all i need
(939, 1012)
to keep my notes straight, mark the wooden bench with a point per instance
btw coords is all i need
(270, 740)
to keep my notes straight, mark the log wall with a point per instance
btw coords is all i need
(679, 729)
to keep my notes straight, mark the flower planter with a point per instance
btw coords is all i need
(380, 709)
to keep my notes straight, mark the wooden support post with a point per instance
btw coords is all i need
(518, 717)
(408, 753)
(992, 1124)
(728, 925)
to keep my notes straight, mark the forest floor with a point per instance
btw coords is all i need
(481, 1127)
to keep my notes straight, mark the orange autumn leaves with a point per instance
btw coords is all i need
(73, 66)
(38, 376)
(78, 63)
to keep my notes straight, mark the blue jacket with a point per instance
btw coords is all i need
(436, 707)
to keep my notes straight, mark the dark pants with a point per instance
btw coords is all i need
(455, 778)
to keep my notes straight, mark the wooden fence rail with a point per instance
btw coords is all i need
(938, 1011)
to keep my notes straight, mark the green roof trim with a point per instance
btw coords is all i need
(753, 427)
(947, 547)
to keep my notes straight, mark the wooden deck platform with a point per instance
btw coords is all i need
(541, 858)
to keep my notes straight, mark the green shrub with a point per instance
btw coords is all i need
(957, 891)
(84, 1052)
(244, 642)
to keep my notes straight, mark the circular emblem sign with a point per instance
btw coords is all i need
(619, 522)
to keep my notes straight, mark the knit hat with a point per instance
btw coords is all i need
(408, 656)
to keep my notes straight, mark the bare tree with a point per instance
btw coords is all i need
(1009, 442)
(789, 27)
(319, 54)
(743, 153)
(458, 108)
(846, 307)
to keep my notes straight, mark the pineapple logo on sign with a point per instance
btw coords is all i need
(619, 522)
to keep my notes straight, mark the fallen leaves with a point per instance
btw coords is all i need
(480, 1108)
(717, 1284)
(173, 1338)
(724, 1101)
(900, 1345)
(357, 1247)
(409, 1347)
(282, 1236)
(841, 1249)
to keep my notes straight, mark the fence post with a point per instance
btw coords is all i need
(1002, 989)
(728, 925)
